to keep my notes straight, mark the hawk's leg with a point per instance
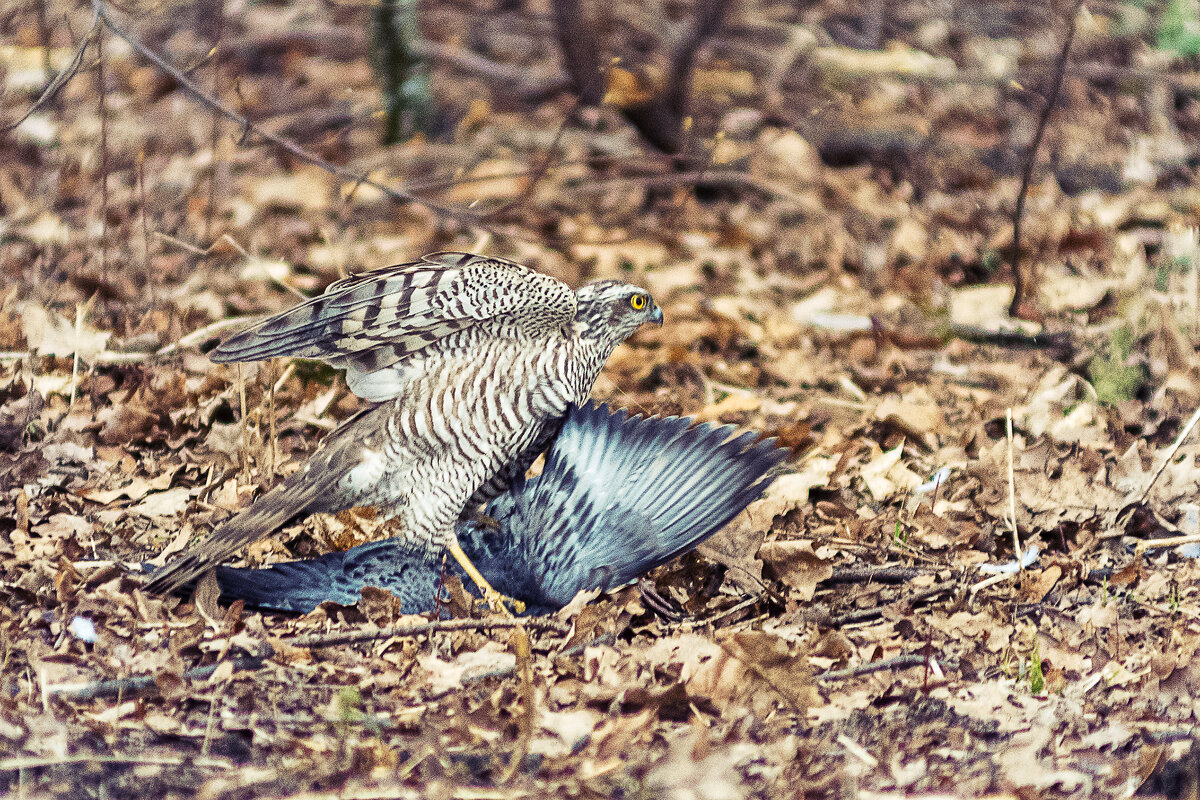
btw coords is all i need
(494, 599)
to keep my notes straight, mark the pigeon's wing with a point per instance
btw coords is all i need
(377, 320)
(618, 497)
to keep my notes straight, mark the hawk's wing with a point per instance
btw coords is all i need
(378, 319)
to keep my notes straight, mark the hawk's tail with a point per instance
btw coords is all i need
(619, 495)
(295, 497)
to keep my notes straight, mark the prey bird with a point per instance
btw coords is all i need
(473, 361)
(618, 496)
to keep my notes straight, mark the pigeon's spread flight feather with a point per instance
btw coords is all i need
(619, 495)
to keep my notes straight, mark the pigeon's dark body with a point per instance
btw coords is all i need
(618, 497)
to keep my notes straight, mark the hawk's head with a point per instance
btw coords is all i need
(612, 310)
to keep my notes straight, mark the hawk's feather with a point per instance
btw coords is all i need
(374, 320)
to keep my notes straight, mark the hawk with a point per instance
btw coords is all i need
(618, 496)
(472, 362)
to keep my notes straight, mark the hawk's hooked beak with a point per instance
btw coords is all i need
(657, 317)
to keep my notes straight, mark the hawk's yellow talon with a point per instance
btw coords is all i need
(494, 599)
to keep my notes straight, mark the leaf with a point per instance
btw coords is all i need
(790, 491)
(797, 565)
(49, 334)
(884, 475)
(170, 503)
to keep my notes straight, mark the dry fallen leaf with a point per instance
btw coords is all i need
(797, 565)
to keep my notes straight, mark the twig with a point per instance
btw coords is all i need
(81, 311)
(203, 334)
(866, 614)
(1060, 67)
(272, 450)
(147, 276)
(906, 661)
(440, 626)
(542, 168)
(243, 425)
(107, 357)
(1170, 541)
(141, 683)
(62, 79)
(891, 574)
(102, 87)
(1170, 454)
(1012, 493)
(35, 762)
(749, 601)
(283, 143)
(214, 177)
(992, 581)
(44, 34)
(526, 724)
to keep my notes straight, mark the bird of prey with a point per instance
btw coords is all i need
(618, 496)
(473, 361)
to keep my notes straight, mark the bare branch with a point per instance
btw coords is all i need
(661, 119)
(1060, 67)
(62, 79)
(581, 50)
(492, 623)
(284, 144)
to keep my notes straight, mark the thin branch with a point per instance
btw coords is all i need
(62, 79)
(1060, 68)
(542, 168)
(581, 51)
(1018, 553)
(519, 641)
(38, 762)
(283, 143)
(440, 626)
(866, 614)
(885, 574)
(102, 112)
(214, 177)
(907, 661)
(141, 683)
(1184, 432)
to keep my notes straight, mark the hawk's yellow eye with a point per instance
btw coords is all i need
(638, 301)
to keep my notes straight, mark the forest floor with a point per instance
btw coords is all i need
(833, 259)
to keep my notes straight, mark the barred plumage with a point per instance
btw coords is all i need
(475, 361)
